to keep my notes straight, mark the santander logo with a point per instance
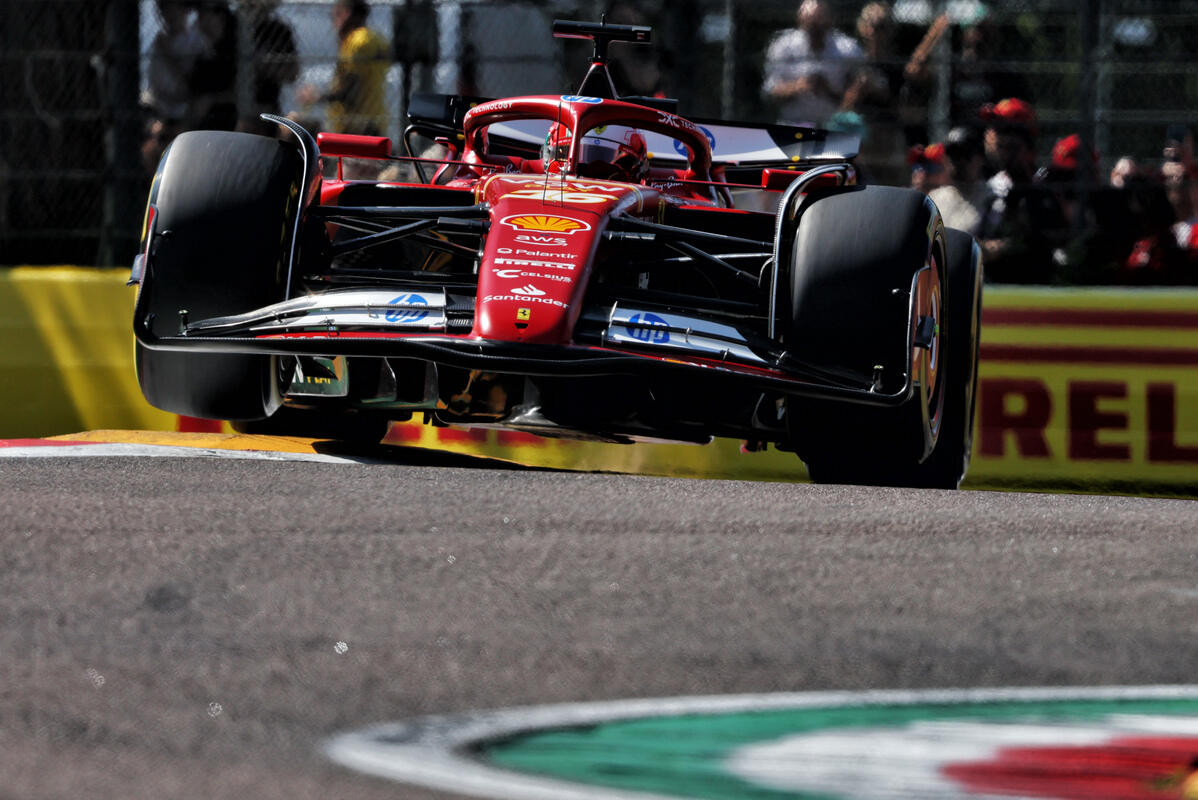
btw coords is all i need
(529, 291)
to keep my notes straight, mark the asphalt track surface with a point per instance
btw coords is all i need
(136, 594)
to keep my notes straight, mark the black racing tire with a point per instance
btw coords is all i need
(856, 254)
(225, 208)
(946, 467)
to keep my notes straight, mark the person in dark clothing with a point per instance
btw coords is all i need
(275, 63)
(1024, 222)
(976, 81)
(214, 78)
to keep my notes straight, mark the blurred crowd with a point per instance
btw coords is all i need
(195, 58)
(1059, 222)
(1055, 222)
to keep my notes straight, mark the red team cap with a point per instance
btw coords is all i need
(1010, 111)
(1067, 153)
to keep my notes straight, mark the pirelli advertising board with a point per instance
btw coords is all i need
(1088, 385)
(1077, 387)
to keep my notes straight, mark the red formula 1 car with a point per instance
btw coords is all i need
(581, 266)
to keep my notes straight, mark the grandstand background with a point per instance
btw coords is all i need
(74, 72)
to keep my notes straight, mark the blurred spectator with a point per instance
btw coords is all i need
(1010, 140)
(1023, 222)
(1091, 253)
(275, 62)
(927, 167)
(964, 197)
(808, 68)
(157, 135)
(978, 77)
(214, 77)
(1124, 172)
(1185, 232)
(173, 55)
(915, 94)
(636, 70)
(875, 90)
(1178, 153)
(355, 96)
(1179, 146)
(1155, 257)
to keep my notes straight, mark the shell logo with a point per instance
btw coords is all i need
(543, 223)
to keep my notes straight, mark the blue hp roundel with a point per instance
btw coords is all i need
(577, 98)
(648, 334)
(681, 148)
(407, 314)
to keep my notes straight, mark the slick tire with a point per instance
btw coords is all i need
(949, 462)
(856, 254)
(225, 204)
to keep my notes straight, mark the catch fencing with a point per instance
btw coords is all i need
(78, 101)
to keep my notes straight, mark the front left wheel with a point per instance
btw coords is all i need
(226, 204)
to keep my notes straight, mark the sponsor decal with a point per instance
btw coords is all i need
(569, 184)
(577, 98)
(648, 334)
(507, 251)
(520, 251)
(524, 299)
(545, 223)
(519, 273)
(681, 148)
(577, 197)
(406, 314)
(540, 241)
(523, 314)
(529, 290)
(1096, 385)
(528, 262)
(497, 105)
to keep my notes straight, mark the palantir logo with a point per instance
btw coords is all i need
(407, 314)
(648, 328)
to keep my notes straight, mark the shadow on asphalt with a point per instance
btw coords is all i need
(416, 456)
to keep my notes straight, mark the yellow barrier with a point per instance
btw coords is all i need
(66, 353)
(1076, 386)
(1097, 385)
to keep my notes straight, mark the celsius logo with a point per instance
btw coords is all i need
(681, 148)
(528, 290)
(648, 328)
(408, 314)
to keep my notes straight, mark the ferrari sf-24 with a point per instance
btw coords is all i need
(587, 266)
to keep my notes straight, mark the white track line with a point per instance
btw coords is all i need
(172, 451)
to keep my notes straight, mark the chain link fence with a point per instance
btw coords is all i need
(94, 89)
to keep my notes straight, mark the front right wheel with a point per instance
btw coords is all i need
(858, 254)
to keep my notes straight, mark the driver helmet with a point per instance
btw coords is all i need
(604, 152)
(557, 144)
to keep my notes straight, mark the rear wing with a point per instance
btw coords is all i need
(743, 145)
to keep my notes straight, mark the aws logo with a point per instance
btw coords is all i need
(540, 240)
(545, 223)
